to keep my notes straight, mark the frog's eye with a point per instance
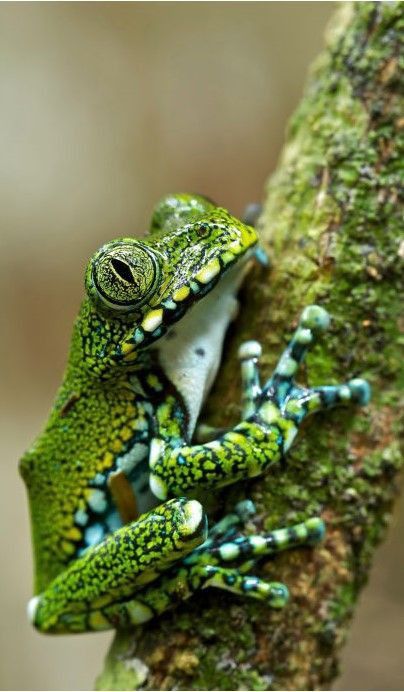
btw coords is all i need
(125, 275)
(203, 230)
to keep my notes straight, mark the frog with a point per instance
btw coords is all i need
(119, 531)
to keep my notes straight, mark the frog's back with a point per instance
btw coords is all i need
(95, 443)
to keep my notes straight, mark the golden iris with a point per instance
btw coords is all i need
(125, 274)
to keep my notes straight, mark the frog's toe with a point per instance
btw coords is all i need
(249, 354)
(302, 402)
(315, 318)
(250, 350)
(245, 509)
(361, 391)
(278, 595)
(275, 594)
(316, 530)
(313, 321)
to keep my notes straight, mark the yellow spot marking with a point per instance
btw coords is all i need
(227, 257)
(138, 612)
(235, 247)
(152, 320)
(126, 433)
(108, 459)
(117, 446)
(126, 347)
(180, 294)
(314, 402)
(290, 435)
(74, 534)
(156, 451)
(236, 438)
(130, 356)
(208, 272)
(153, 381)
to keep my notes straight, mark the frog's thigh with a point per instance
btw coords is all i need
(119, 567)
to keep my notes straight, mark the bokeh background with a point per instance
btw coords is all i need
(104, 108)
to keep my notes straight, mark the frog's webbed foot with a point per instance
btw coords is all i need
(271, 416)
(281, 397)
(207, 564)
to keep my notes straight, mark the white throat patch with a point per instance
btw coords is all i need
(191, 351)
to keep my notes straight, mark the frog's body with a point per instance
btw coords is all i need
(141, 364)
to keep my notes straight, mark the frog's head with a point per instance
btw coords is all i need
(141, 287)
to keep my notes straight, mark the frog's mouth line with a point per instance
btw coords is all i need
(160, 318)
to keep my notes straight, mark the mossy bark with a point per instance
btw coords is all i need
(331, 222)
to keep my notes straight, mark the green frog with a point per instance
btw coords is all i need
(113, 479)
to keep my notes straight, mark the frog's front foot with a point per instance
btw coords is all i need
(271, 416)
(281, 402)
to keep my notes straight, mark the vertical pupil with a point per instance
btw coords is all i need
(122, 270)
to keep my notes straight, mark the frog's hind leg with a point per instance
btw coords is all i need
(206, 566)
(94, 589)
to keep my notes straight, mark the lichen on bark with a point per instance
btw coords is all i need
(332, 223)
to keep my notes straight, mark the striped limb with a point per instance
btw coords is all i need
(271, 417)
(204, 568)
(176, 587)
(118, 567)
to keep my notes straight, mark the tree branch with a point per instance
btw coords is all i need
(331, 222)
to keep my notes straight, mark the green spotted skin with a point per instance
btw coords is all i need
(120, 436)
(274, 414)
(135, 556)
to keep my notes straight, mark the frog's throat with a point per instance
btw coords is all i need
(159, 319)
(191, 351)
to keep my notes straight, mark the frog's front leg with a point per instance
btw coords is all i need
(272, 416)
(90, 591)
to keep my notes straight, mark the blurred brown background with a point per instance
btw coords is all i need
(105, 107)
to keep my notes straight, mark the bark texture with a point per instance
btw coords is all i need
(332, 224)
